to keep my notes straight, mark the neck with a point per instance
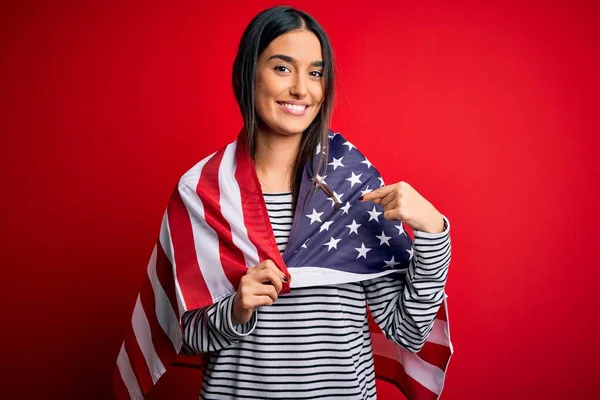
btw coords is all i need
(274, 158)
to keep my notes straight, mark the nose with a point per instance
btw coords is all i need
(298, 88)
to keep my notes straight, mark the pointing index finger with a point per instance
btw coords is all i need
(379, 193)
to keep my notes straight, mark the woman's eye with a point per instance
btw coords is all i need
(282, 68)
(316, 74)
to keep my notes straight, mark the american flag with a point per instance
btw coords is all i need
(216, 226)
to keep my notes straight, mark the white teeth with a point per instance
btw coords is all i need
(294, 106)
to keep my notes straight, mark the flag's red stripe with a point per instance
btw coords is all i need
(138, 363)
(119, 388)
(162, 344)
(393, 372)
(435, 354)
(164, 271)
(441, 314)
(232, 258)
(191, 282)
(256, 217)
(373, 327)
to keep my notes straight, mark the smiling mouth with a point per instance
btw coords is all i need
(294, 109)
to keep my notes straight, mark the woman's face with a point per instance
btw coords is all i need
(289, 83)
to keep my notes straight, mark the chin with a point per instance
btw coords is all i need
(292, 132)
(288, 126)
(295, 128)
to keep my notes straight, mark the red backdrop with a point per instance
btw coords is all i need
(489, 109)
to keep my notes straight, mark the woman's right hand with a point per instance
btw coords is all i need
(259, 287)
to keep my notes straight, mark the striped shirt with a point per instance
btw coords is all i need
(315, 343)
(279, 207)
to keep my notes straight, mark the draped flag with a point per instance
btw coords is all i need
(216, 226)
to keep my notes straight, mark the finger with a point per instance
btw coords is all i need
(258, 300)
(269, 276)
(378, 193)
(277, 271)
(389, 198)
(268, 264)
(266, 290)
(262, 266)
(392, 215)
(273, 278)
(265, 301)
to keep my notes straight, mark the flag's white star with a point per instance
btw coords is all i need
(367, 162)
(353, 227)
(332, 243)
(304, 244)
(367, 190)
(411, 253)
(346, 208)
(337, 162)
(374, 215)
(381, 180)
(354, 179)
(350, 145)
(321, 179)
(383, 239)
(362, 251)
(400, 229)
(315, 216)
(391, 263)
(337, 196)
(325, 226)
(320, 149)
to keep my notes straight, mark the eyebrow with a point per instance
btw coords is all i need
(292, 60)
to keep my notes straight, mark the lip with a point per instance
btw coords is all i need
(296, 113)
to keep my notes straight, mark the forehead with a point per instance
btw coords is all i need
(302, 45)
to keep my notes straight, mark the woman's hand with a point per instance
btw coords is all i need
(259, 287)
(402, 202)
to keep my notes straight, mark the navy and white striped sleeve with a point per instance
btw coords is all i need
(211, 329)
(405, 306)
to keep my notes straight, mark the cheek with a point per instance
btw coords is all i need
(262, 99)
(266, 91)
(318, 93)
(318, 97)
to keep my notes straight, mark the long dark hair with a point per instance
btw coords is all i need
(261, 31)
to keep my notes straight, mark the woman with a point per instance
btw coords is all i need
(288, 205)
(261, 344)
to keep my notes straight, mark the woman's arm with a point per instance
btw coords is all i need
(211, 328)
(229, 320)
(405, 308)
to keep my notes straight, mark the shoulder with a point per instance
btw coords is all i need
(343, 153)
(226, 154)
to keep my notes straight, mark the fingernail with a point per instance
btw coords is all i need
(285, 278)
(361, 198)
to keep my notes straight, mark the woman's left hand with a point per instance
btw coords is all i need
(401, 202)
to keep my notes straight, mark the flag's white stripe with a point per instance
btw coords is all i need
(439, 333)
(204, 236)
(421, 371)
(309, 276)
(164, 311)
(447, 327)
(231, 206)
(127, 374)
(141, 329)
(167, 245)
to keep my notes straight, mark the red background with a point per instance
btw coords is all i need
(489, 109)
